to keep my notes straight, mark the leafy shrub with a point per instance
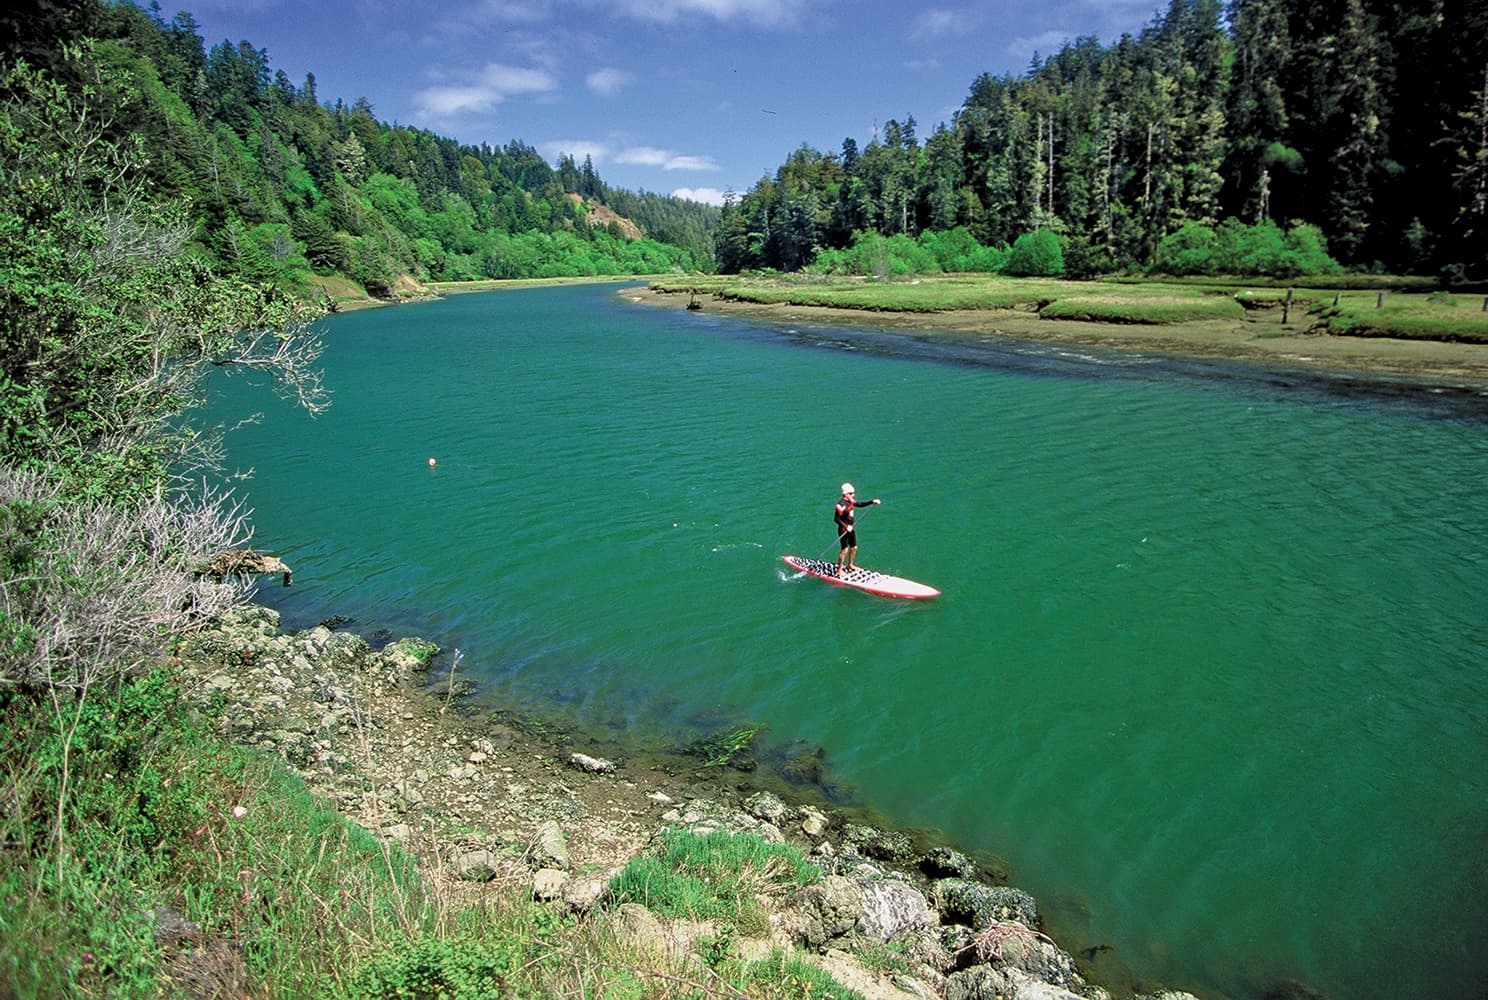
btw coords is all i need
(1307, 252)
(878, 256)
(461, 968)
(1036, 255)
(957, 251)
(1084, 258)
(1265, 250)
(1190, 250)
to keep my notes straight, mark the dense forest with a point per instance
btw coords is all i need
(1365, 119)
(282, 184)
(1317, 131)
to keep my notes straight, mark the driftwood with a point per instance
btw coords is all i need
(244, 562)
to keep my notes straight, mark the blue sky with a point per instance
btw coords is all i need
(687, 97)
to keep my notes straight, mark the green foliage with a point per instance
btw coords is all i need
(459, 968)
(1036, 255)
(121, 809)
(1259, 250)
(106, 318)
(713, 877)
(789, 977)
(1190, 250)
(957, 250)
(1411, 317)
(879, 256)
(22, 527)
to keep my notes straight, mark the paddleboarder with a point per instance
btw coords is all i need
(847, 535)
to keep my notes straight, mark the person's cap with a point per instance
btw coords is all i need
(847, 488)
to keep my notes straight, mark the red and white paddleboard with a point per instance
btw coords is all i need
(863, 579)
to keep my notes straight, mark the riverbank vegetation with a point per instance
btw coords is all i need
(166, 210)
(1266, 138)
(1351, 305)
(142, 854)
(1357, 129)
(289, 191)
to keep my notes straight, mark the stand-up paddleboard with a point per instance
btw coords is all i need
(863, 579)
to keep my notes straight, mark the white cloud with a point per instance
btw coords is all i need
(691, 163)
(1046, 44)
(935, 23)
(763, 13)
(648, 156)
(493, 85)
(608, 82)
(463, 20)
(708, 196)
(512, 11)
(643, 156)
(511, 80)
(577, 148)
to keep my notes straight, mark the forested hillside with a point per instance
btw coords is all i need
(1308, 128)
(282, 183)
(1367, 119)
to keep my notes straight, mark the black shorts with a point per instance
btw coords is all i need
(849, 538)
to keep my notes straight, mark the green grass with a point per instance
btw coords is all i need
(1161, 309)
(121, 814)
(134, 813)
(719, 877)
(1410, 311)
(1435, 316)
(1151, 302)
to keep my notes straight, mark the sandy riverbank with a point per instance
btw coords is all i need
(1259, 338)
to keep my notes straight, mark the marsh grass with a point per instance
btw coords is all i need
(1159, 309)
(1150, 302)
(1435, 316)
(1411, 310)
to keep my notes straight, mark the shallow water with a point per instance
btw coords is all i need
(1208, 669)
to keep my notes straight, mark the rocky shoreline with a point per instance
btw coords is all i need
(484, 806)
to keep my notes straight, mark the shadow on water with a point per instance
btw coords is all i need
(1011, 355)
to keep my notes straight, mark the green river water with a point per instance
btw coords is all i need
(1210, 669)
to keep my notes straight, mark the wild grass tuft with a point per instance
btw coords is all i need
(721, 876)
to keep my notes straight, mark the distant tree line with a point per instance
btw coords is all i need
(1366, 120)
(281, 184)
